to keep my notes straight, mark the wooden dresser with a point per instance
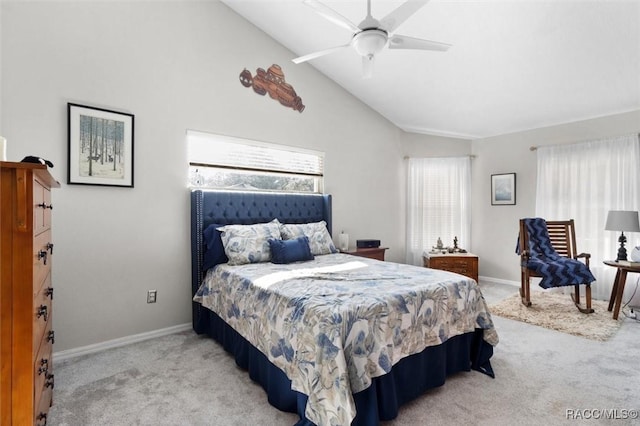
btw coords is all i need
(461, 263)
(26, 293)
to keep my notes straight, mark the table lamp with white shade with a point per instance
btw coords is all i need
(622, 220)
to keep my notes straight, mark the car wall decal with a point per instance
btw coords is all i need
(272, 82)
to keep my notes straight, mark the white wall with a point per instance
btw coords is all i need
(417, 146)
(1, 43)
(175, 66)
(495, 228)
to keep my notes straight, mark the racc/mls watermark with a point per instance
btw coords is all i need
(601, 413)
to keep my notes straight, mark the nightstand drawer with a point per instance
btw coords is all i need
(372, 253)
(463, 264)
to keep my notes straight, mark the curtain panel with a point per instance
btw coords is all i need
(583, 182)
(438, 204)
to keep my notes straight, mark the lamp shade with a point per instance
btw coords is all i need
(622, 220)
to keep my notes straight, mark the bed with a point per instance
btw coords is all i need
(338, 339)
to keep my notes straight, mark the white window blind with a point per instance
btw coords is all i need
(217, 150)
(218, 161)
(439, 193)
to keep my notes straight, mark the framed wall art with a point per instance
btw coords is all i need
(503, 189)
(100, 146)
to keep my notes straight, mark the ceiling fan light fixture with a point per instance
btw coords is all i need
(369, 42)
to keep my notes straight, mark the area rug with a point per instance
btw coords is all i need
(556, 311)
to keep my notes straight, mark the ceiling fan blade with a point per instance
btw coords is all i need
(317, 54)
(405, 42)
(396, 17)
(331, 15)
(367, 66)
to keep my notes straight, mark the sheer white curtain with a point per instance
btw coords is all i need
(584, 181)
(438, 204)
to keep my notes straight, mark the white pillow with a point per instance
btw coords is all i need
(249, 243)
(320, 241)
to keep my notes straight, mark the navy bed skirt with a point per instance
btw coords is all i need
(408, 379)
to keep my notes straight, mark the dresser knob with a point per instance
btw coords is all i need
(42, 311)
(50, 381)
(42, 254)
(51, 337)
(45, 206)
(49, 292)
(44, 366)
(42, 416)
(50, 248)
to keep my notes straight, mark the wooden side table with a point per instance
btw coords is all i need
(372, 253)
(618, 284)
(461, 263)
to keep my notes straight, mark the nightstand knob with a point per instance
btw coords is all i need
(51, 337)
(49, 292)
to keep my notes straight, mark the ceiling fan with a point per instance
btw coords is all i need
(371, 36)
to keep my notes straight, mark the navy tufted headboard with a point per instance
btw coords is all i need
(234, 207)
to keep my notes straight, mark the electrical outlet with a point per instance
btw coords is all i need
(151, 296)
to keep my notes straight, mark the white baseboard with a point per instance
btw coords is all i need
(115, 343)
(499, 281)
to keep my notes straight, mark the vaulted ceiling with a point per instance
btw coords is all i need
(513, 65)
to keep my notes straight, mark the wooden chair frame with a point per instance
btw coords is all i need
(563, 239)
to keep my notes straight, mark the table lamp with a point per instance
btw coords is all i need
(622, 220)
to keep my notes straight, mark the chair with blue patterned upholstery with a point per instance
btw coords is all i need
(547, 250)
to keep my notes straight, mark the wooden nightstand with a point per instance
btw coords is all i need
(372, 253)
(461, 263)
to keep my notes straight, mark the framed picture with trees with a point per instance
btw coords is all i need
(100, 146)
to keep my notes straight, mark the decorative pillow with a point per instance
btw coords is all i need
(320, 241)
(249, 243)
(214, 250)
(287, 251)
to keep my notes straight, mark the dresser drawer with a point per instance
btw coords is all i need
(42, 371)
(41, 316)
(42, 257)
(41, 207)
(42, 406)
(41, 328)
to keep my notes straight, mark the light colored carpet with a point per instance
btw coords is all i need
(556, 311)
(542, 377)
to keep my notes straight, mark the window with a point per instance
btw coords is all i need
(583, 181)
(224, 162)
(439, 193)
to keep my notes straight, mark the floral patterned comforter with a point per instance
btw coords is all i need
(334, 323)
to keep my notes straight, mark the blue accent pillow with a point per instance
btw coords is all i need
(287, 251)
(214, 250)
